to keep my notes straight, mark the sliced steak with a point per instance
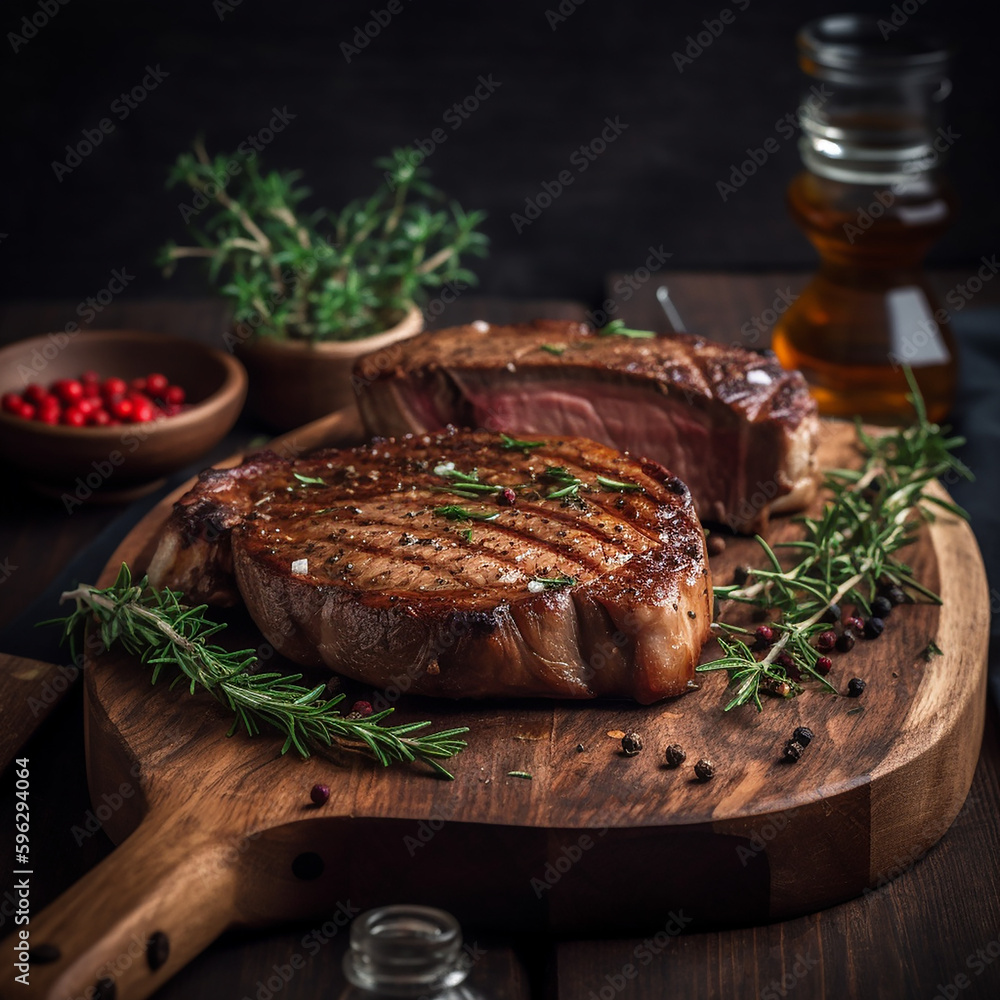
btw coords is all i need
(377, 563)
(733, 425)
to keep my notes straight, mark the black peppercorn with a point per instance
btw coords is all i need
(676, 755)
(631, 744)
(793, 750)
(895, 595)
(704, 769)
(855, 686)
(803, 735)
(740, 575)
(157, 950)
(580, 748)
(873, 628)
(832, 614)
(881, 607)
(845, 641)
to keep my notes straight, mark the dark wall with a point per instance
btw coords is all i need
(654, 185)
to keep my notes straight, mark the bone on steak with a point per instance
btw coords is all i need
(365, 574)
(732, 424)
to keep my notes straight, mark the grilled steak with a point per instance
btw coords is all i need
(735, 426)
(390, 564)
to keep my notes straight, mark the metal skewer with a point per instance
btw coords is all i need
(673, 316)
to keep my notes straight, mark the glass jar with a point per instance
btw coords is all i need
(872, 199)
(406, 951)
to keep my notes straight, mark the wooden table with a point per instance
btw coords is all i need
(936, 927)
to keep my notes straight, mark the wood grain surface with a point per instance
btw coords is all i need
(934, 912)
(226, 834)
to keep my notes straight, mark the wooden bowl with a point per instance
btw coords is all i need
(293, 382)
(80, 463)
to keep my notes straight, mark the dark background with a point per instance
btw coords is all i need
(655, 185)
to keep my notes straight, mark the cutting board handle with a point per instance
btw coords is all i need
(157, 901)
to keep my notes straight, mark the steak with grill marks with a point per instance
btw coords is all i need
(379, 563)
(734, 425)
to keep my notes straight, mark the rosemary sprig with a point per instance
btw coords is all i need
(309, 480)
(156, 627)
(555, 349)
(539, 583)
(617, 328)
(570, 483)
(614, 486)
(517, 444)
(453, 512)
(846, 553)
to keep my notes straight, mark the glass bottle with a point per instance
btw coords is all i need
(872, 199)
(406, 951)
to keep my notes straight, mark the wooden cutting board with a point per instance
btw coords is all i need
(218, 831)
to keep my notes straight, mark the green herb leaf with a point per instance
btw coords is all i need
(516, 444)
(555, 349)
(613, 485)
(931, 650)
(519, 774)
(539, 583)
(309, 480)
(455, 513)
(617, 328)
(846, 553)
(156, 627)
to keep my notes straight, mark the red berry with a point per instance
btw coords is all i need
(35, 393)
(173, 394)
(320, 794)
(855, 623)
(73, 417)
(156, 384)
(68, 390)
(122, 408)
(49, 406)
(90, 377)
(27, 411)
(824, 665)
(506, 497)
(764, 634)
(826, 640)
(142, 411)
(113, 387)
(85, 406)
(12, 403)
(113, 422)
(91, 390)
(100, 418)
(363, 708)
(47, 416)
(138, 384)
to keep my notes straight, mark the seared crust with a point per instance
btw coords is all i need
(751, 417)
(361, 574)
